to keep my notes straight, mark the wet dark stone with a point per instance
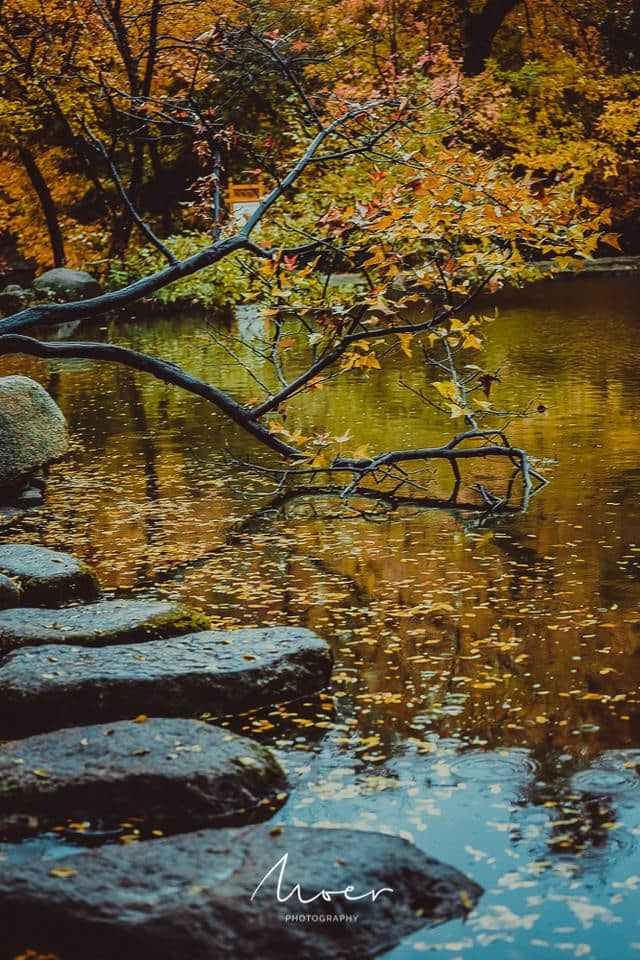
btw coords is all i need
(31, 496)
(9, 592)
(175, 774)
(47, 577)
(65, 284)
(97, 624)
(190, 896)
(219, 672)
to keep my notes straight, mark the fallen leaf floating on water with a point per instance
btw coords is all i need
(63, 872)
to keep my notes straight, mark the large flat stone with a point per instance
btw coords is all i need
(190, 897)
(97, 624)
(176, 774)
(47, 577)
(219, 672)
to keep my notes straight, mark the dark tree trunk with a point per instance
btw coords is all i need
(121, 229)
(480, 30)
(123, 222)
(41, 188)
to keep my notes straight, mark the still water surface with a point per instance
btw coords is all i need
(486, 680)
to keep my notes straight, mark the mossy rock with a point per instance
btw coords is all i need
(47, 577)
(99, 624)
(33, 432)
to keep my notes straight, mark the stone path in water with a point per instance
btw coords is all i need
(168, 772)
(215, 672)
(190, 897)
(96, 624)
(46, 577)
(97, 702)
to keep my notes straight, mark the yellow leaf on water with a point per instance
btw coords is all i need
(320, 462)
(360, 453)
(63, 872)
(405, 343)
(446, 388)
(466, 900)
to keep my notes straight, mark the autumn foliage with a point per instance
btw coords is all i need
(432, 154)
(182, 97)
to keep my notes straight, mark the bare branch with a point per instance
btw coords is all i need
(120, 187)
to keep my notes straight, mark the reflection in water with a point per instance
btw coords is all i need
(486, 685)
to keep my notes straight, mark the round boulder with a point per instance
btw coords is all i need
(65, 284)
(33, 430)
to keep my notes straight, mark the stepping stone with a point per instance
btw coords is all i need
(97, 624)
(219, 672)
(175, 774)
(46, 577)
(10, 515)
(190, 896)
(9, 593)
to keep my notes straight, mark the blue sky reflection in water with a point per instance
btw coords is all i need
(486, 684)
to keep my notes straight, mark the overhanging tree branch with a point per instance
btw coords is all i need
(57, 313)
(361, 467)
(160, 369)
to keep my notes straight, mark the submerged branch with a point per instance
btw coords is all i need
(160, 369)
(246, 418)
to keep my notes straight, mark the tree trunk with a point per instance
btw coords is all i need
(41, 188)
(480, 31)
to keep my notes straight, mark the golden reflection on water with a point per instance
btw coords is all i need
(522, 630)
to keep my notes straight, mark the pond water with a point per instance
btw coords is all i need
(485, 699)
